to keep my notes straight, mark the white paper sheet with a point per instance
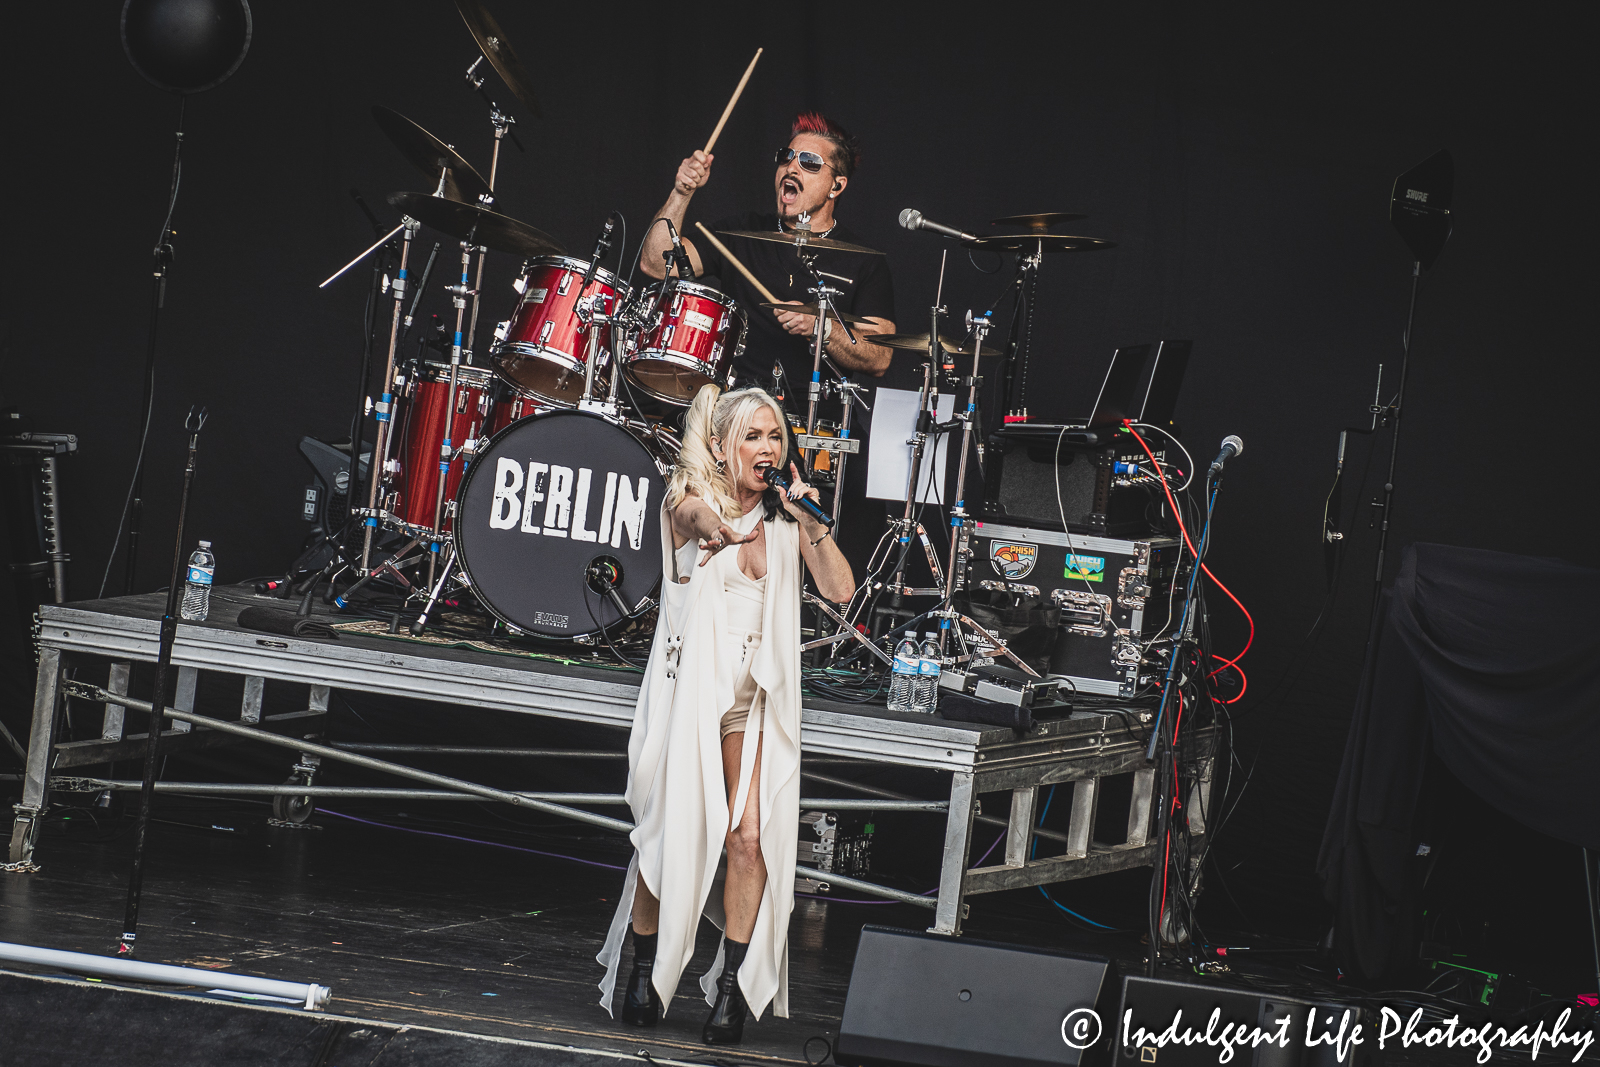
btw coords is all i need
(894, 418)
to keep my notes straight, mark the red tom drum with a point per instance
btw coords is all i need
(546, 347)
(691, 339)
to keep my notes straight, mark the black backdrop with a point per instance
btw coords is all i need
(1242, 158)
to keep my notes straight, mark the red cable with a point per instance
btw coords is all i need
(1250, 640)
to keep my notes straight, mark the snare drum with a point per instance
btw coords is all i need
(413, 481)
(546, 346)
(691, 339)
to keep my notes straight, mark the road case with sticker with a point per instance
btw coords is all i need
(1118, 603)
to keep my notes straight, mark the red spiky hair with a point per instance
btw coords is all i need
(846, 149)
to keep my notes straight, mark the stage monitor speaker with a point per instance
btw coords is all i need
(1155, 1002)
(926, 1000)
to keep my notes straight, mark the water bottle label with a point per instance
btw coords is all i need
(929, 668)
(905, 665)
(199, 576)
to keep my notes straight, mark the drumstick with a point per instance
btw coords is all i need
(729, 109)
(731, 258)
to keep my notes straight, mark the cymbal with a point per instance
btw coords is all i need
(811, 309)
(480, 225)
(502, 57)
(1037, 223)
(918, 342)
(1040, 242)
(788, 239)
(431, 156)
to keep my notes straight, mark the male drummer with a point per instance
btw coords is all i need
(813, 171)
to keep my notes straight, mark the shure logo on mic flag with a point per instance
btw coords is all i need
(565, 496)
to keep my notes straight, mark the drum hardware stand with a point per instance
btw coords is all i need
(846, 631)
(591, 312)
(824, 294)
(1025, 280)
(421, 621)
(158, 697)
(458, 300)
(384, 409)
(502, 121)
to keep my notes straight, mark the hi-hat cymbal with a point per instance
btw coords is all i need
(502, 57)
(822, 243)
(1040, 242)
(811, 309)
(918, 342)
(472, 223)
(1039, 223)
(431, 156)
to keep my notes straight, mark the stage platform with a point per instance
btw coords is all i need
(410, 930)
(83, 643)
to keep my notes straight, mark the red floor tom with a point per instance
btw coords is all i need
(413, 475)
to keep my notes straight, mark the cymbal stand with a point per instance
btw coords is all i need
(824, 294)
(955, 576)
(458, 299)
(1025, 281)
(502, 125)
(383, 410)
(849, 394)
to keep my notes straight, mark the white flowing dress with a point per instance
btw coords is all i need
(675, 779)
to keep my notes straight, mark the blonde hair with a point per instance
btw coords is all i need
(724, 417)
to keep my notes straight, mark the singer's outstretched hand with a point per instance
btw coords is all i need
(693, 172)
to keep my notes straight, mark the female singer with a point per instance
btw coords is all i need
(714, 757)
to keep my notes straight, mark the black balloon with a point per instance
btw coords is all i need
(186, 46)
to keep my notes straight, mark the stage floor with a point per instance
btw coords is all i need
(422, 930)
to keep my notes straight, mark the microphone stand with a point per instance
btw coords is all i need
(162, 256)
(158, 697)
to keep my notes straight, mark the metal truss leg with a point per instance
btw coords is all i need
(36, 770)
(250, 706)
(948, 914)
(183, 697)
(1019, 829)
(111, 728)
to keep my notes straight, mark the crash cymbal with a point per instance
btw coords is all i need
(1039, 223)
(811, 309)
(918, 342)
(479, 225)
(502, 57)
(822, 243)
(1040, 242)
(431, 156)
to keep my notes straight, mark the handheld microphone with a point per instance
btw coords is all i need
(775, 478)
(678, 255)
(602, 245)
(1231, 446)
(912, 219)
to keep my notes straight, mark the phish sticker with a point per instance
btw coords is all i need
(1085, 568)
(1012, 561)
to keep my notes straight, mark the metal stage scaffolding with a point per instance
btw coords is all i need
(1084, 749)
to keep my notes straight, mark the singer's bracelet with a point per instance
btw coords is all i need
(821, 539)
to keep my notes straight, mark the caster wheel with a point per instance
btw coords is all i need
(293, 809)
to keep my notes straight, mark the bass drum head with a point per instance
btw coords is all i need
(548, 498)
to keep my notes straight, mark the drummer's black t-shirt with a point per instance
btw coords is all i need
(869, 292)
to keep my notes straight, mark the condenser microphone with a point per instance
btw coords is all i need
(678, 255)
(602, 245)
(775, 478)
(1231, 446)
(912, 219)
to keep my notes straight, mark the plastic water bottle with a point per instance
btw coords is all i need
(925, 695)
(197, 587)
(906, 665)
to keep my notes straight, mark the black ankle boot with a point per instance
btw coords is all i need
(640, 1005)
(726, 1024)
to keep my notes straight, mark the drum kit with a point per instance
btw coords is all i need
(531, 478)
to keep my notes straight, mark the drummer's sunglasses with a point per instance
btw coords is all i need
(810, 162)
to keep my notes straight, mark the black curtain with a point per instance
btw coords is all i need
(1491, 662)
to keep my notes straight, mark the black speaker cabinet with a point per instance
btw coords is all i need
(1155, 1002)
(925, 1000)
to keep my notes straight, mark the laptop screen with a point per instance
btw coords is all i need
(1116, 399)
